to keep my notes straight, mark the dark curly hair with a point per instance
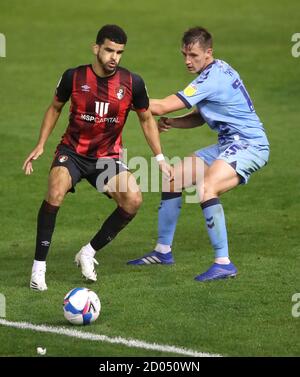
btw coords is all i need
(113, 33)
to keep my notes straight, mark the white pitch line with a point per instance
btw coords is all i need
(103, 338)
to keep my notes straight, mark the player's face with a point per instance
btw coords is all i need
(196, 58)
(108, 55)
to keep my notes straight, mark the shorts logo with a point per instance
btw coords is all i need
(122, 164)
(190, 90)
(101, 108)
(63, 158)
(120, 92)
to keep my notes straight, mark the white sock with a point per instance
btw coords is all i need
(38, 265)
(164, 249)
(222, 260)
(89, 250)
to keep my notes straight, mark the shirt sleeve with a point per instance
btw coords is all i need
(140, 99)
(64, 87)
(198, 90)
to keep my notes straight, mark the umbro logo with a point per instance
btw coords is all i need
(45, 243)
(85, 88)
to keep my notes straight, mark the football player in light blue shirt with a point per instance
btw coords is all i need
(222, 101)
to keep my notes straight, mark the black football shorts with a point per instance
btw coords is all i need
(97, 171)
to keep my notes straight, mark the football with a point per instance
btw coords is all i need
(81, 306)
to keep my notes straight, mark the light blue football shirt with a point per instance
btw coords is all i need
(224, 103)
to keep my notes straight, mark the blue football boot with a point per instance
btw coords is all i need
(154, 258)
(218, 271)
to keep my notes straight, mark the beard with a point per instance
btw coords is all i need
(105, 66)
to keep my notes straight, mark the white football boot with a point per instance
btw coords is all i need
(86, 261)
(37, 281)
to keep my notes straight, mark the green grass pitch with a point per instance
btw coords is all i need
(247, 316)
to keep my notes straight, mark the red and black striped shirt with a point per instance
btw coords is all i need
(99, 108)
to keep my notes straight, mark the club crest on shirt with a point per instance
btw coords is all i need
(120, 92)
(62, 158)
(190, 90)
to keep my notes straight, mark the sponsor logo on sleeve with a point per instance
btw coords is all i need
(190, 90)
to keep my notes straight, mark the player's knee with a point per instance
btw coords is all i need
(136, 200)
(55, 196)
(208, 190)
(132, 202)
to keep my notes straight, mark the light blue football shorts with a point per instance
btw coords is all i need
(244, 157)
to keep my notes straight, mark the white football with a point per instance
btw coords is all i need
(81, 306)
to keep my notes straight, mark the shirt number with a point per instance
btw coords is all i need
(238, 85)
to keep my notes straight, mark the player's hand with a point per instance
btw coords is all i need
(164, 124)
(167, 170)
(35, 154)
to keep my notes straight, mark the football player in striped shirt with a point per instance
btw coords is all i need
(101, 95)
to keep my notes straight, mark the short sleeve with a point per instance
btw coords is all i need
(140, 99)
(200, 89)
(64, 87)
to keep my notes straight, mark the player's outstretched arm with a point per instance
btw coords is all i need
(166, 105)
(50, 118)
(151, 133)
(190, 120)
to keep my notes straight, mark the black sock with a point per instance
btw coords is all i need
(45, 228)
(170, 195)
(111, 227)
